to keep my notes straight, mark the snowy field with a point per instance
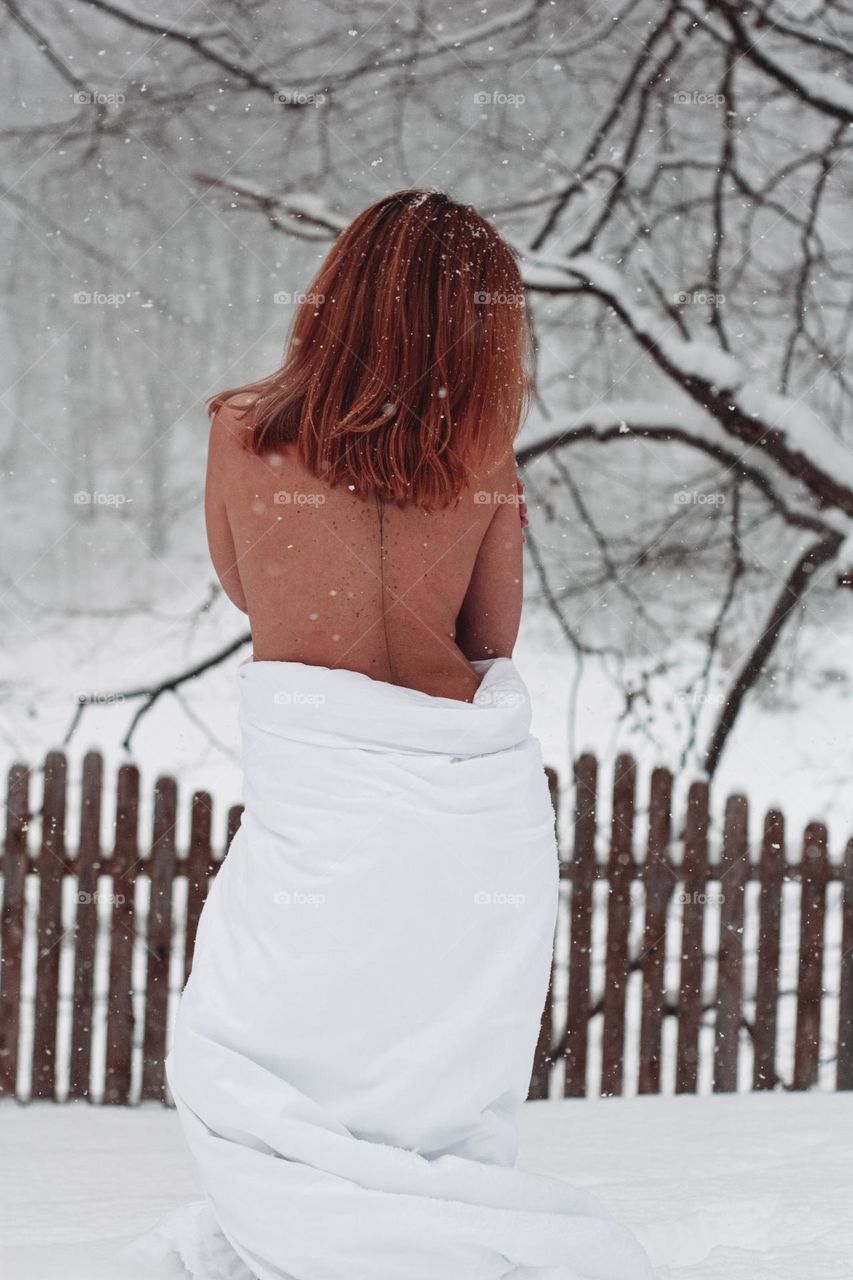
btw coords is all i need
(756, 1187)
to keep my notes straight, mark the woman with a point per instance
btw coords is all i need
(372, 961)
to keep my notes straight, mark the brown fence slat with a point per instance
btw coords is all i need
(198, 870)
(810, 978)
(582, 869)
(235, 813)
(844, 1078)
(771, 873)
(692, 951)
(159, 938)
(123, 866)
(51, 872)
(540, 1080)
(734, 872)
(87, 866)
(15, 861)
(658, 881)
(620, 872)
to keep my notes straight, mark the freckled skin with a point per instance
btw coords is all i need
(303, 560)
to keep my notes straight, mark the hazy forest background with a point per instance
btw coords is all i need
(677, 178)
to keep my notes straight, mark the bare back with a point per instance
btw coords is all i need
(305, 561)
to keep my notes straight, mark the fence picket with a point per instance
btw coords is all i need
(198, 871)
(734, 870)
(658, 879)
(844, 1078)
(235, 813)
(582, 870)
(120, 1022)
(159, 938)
(544, 1057)
(15, 860)
(810, 977)
(51, 872)
(620, 873)
(87, 866)
(692, 954)
(772, 872)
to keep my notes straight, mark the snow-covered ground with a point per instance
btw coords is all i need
(756, 1187)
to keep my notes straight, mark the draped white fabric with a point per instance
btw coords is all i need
(371, 965)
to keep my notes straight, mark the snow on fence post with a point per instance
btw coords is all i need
(621, 870)
(581, 874)
(51, 873)
(695, 872)
(543, 1058)
(87, 867)
(844, 1076)
(15, 861)
(734, 873)
(123, 865)
(657, 882)
(814, 872)
(158, 941)
(771, 875)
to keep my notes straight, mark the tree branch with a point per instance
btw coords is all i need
(151, 693)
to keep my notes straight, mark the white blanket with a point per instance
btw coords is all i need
(371, 965)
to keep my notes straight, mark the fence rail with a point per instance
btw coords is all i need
(682, 962)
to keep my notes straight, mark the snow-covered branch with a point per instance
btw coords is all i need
(824, 91)
(782, 428)
(644, 420)
(297, 213)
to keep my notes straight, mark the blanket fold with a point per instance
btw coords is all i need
(358, 1030)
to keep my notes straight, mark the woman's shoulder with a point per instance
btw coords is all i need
(232, 415)
(231, 429)
(496, 483)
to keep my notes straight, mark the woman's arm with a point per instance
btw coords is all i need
(487, 626)
(219, 538)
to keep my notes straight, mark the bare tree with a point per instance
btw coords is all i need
(675, 177)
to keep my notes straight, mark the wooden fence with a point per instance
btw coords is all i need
(684, 959)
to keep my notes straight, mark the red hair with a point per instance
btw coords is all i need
(407, 371)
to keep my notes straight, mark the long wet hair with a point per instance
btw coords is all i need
(407, 370)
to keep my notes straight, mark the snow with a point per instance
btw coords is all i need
(803, 429)
(747, 1187)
